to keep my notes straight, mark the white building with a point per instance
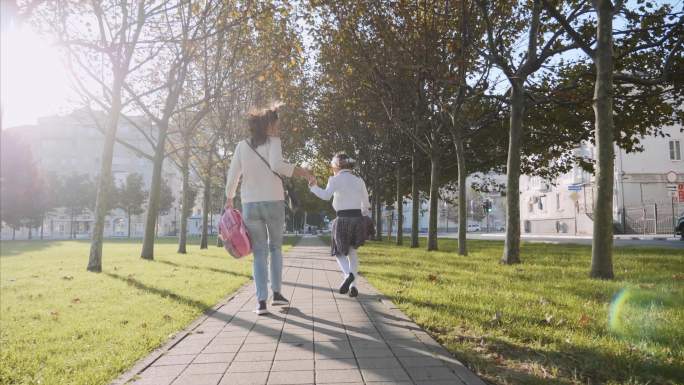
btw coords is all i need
(642, 201)
(72, 144)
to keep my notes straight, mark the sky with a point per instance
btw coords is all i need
(33, 80)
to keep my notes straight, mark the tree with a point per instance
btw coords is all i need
(109, 44)
(647, 56)
(131, 197)
(166, 199)
(18, 177)
(543, 40)
(76, 195)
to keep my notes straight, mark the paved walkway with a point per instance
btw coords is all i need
(323, 337)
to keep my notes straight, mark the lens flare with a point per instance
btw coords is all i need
(642, 315)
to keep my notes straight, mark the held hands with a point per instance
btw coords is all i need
(229, 203)
(312, 180)
(306, 174)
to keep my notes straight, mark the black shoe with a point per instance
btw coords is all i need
(278, 299)
(344, 289)
(353, 292)
(261, 309)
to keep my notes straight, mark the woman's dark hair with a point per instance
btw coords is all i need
(343, 161)
(258, 122)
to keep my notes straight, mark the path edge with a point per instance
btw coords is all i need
(152, 356)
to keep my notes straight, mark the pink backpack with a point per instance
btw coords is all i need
(233, 233)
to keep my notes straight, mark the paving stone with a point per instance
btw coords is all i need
(250, 366)
(269, 347)
(326, 376)
(378, 363)
(322, 337)
(291, 377)
(292, 365)
(206, 368)
(254, 356)
(174, 359)
(344, 363)
(163, 371)
(257, 378)
(198, 379)
(204, 358)
(370, 375)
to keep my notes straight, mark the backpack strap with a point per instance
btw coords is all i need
(264, 160)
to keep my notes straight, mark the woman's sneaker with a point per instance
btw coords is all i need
(278, 299)
(344, 288)
(261, 308)
(353, 292)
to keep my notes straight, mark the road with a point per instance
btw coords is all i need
(620, 241)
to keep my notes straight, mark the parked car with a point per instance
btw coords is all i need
(473, 227)
(680, 226)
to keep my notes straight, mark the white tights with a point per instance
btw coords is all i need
(349, 264)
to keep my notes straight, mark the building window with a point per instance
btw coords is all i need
(675, 150)
(557, 201)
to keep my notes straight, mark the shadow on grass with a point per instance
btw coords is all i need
(163, 293)
(15, 248)
(593, 366)
(212, 269)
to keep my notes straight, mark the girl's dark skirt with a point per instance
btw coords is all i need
(347, 232)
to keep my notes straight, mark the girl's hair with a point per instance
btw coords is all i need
(258, 122)
(342, 161)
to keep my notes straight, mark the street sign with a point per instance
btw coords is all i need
(671, 187)
(671, 176)
(574, 187)
(680, 190)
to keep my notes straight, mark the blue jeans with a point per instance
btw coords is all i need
(265, 221)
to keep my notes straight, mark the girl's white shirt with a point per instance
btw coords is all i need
(259, 184)
(347, 190)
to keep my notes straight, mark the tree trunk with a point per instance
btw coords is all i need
(153, 200)
(511, 253)
(219, 242)
(434, 199)
(602, 241)
(400, 210)
(377, 202)
(42, 225)
(14, 233)
(30, 235)
(206, 206)
(415, 201)
(73, 232)
(104, 185)
(185, 209)
(128, 212)
(462, 213)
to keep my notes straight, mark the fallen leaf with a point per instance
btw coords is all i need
(54, 314)
(167, 317)
(433, 277)
(584, 320)
(76, 300)
(68, 277)
(548, 318)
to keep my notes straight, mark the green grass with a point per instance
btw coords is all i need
(62, 325)
(543, 321)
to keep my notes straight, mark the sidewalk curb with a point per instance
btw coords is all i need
(154, 355)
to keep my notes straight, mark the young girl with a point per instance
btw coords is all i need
(350, 201)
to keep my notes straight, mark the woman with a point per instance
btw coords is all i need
(349, 232)
(257, 160)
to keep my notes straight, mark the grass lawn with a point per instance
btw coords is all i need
(60, 324)
(543, 321)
